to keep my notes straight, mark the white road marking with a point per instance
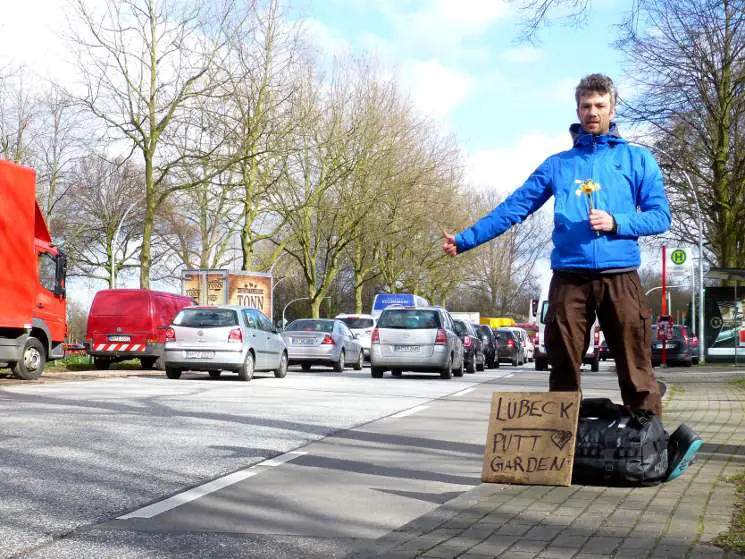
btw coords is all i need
(409, 412)
(509, 375)
(215, 485)
(463, 392)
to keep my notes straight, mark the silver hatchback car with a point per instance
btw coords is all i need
(224, 337)
(416, 339)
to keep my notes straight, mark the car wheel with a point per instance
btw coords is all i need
(215, 374)
(376, 372)
(515, 361)
(447, 372)
(173, 373)
(305, 367)
(541, 364)
(397, 372)
(695, 360)
(595, 365)
(471, 367)
(339, 365)
(359, 364)
(148, 362)
(481, 366)
(460, 370)
(246, 372)
(32, 362)
(688, 363)
(100, 363)
(281, 371)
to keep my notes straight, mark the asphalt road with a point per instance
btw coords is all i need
(317, 464)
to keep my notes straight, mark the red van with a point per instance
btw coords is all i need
(130, 323)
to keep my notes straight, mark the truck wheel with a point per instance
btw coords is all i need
(32, 362)
(148, 362)
(100, 363)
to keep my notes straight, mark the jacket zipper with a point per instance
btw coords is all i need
(595, 237)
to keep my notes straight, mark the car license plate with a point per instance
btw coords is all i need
(304, 341)
(200, 354)
(405, 348)
(119, 338)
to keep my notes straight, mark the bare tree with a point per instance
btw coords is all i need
(104, 228)
(143, 62)
(689, 64)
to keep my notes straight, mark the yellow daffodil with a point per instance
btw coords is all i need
(588, 186)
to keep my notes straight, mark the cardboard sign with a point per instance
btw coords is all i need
(531, 438)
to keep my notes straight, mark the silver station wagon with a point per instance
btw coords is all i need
(421, 339)
(224, 338)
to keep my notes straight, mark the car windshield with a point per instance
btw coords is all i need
(206, 318)
(505, 334)
(311, 325)
(357, 322)
(414, 319)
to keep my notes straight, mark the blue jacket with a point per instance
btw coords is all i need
(630, 189)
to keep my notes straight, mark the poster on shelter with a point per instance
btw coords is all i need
(531, 438)
(724, 325)
(191, 283)
(251, 289)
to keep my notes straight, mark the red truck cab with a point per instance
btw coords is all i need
(33, 322)
(128, 324)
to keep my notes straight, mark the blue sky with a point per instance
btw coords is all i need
(508, 103)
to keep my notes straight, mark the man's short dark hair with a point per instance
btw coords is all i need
(596, 83)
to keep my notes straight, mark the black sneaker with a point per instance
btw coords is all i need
(682, 448)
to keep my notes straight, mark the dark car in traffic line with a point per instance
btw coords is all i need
(473, 349)
(509, 347)
(489, 341)
(682, 349)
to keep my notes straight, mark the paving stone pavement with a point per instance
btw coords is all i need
(672, 520)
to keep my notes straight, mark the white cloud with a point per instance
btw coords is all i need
(324, 38)
(442, 20)
(522, 55)
(435, 89)
(505, 169)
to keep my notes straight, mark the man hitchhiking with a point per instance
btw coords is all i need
(607, 193)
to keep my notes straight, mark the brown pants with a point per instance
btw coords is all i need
(618, 301)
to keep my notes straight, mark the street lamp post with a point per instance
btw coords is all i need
(284, 322)
(115, 241)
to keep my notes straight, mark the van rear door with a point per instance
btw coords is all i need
(120, 320)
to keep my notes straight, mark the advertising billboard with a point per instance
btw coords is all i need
(220, 287)
(724, 326)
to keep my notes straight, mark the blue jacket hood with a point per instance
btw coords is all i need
(631, 190)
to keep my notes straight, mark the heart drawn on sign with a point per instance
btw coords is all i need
(561, 438)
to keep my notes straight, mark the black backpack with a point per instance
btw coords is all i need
(618, 447)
